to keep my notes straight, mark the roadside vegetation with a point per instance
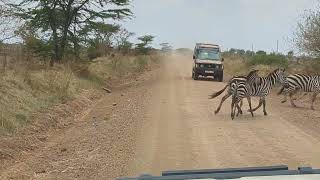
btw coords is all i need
(242, 64)
(29, 87)
(57, 50)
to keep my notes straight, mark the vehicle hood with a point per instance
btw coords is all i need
(280, 177)
(209, 61)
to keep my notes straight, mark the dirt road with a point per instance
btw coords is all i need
(168, 124)
(182, 131)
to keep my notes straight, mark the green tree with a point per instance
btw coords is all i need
(249, 53)
(260, 52)
(122, 40)
(102, 39)
(144, 46)
(232, 51)
(166, 47)
(241, 51)
(63, 24)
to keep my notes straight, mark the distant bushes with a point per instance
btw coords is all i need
(242, 64)
(268, 59)
(265, 63)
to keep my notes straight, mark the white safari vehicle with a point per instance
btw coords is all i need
(207, 61)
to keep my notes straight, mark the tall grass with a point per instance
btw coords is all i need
(27, 87)
(120, 66)
(24, 93)
(265, 63)
(236, 64)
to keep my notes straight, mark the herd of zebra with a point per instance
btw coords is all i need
(252, 85)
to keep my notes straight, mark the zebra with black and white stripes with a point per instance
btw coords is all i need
(260, 88)
(250, 78)
(301, 82)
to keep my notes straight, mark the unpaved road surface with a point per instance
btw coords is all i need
(167, 123)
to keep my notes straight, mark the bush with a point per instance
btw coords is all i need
(271, 59)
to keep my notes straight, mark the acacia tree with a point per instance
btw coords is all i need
(122, 40)
(166, 47)
(145, 45)
(62, 24)
(102, 38)
(307, 35)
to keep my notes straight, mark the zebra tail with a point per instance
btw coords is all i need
(218, 93)
(281, 90)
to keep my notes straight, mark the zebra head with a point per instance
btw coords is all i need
(281, 77)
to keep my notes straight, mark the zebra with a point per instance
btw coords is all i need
(251, 78)
(305, 83)
(260, 88)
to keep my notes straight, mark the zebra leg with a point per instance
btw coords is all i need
(314, 95)
(264, 106)
(221, 102)
(259, 105)
(239, 107)
(232, 109)
(285, 98)
(249, 102)
(291, 98)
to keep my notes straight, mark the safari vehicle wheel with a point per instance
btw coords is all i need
(195, 76)
(221, 78)
(218, 78)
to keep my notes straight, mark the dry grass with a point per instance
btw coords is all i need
(236, 65)
(28, 92)
(26, 88)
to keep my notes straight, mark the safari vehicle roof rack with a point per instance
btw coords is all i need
(206, 45)
(231, 173)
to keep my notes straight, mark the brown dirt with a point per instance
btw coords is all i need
(167, 123)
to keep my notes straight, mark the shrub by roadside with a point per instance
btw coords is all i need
(271, 59)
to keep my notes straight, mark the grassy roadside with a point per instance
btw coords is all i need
(26, 88)
(242, 65)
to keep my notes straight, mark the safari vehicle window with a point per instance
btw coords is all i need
(208, 54)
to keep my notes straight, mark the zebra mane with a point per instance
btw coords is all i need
(273, 72)
(252, 73)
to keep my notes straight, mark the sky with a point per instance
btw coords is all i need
(229, 23)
